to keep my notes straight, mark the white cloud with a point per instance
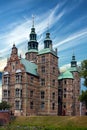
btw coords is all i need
(72, 37)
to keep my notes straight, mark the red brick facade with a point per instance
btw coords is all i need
(31, 85)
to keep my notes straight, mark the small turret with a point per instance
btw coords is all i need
(33, 44)
(48, 41)
(14, 50)
(73, 62)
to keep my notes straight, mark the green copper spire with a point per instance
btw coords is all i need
(33, 44)
(73, 62)
(48, 41)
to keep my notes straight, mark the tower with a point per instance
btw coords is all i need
(76, 86)
(31, 55)
(48, 72)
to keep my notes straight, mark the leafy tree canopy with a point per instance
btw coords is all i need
(83, 73)
(4, 106)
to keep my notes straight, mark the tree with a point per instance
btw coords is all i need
(83, 73)
(4, 106)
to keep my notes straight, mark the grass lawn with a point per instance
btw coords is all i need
(48, 123)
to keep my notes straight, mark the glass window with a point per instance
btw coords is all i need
(43, 69)
(42, 94)
(31, 105)
(17, 92)
(31, 93)
(64, 89)
(18, 78)
(53, 82)
(53, 106)
(53, 95)
(42, 105)
(5, 93)
(17, 103)
(32, 79)
(6, 80)
(53, 69)
(42, 82)
(43, 59)
(64, 95)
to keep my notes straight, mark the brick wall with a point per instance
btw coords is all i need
(4, 117)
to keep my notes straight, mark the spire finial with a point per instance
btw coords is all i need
(32, 21)
(73, 51)
(48, 27)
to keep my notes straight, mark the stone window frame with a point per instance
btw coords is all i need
(43, 69)
(53, 95)
(17, 105)
(31, 105)
(43, 59)
(53, 106)
(53, 82)
(6, 79)
(42, 105)
(18, 93)
(5, 93)
(18, 77)
(42, 94)
(54, 69)
(31, 93)
(31, 79)
(42, 82)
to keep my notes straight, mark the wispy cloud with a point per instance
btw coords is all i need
(72, 37)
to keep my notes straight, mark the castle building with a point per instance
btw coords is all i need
(34, 85)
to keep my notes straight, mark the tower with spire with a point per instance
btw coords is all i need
(48, 72)
(73, 62)
(32, 52)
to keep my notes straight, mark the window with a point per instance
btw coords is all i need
(5, 93)
(31, 93)
(53, 69)
(64, 89)
(32, 79)
(43, 69)
(64, 95)
(17, 92)
(42, 82)
(53, 106)
(53, 95)
(42, 94)
(64, 106)
(18, 78)
(31, 105)
(42, 105)
(17, 104)
(64, 81)
(53, 82)
(6, 80)
(43, 59)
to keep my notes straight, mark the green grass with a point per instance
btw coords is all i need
(48, 123)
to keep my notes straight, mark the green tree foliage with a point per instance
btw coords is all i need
(4, 106)
(83, 73)
(83, 97)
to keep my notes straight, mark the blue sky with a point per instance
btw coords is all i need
(67, 21)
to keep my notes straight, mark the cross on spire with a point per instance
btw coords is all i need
(32, 21)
